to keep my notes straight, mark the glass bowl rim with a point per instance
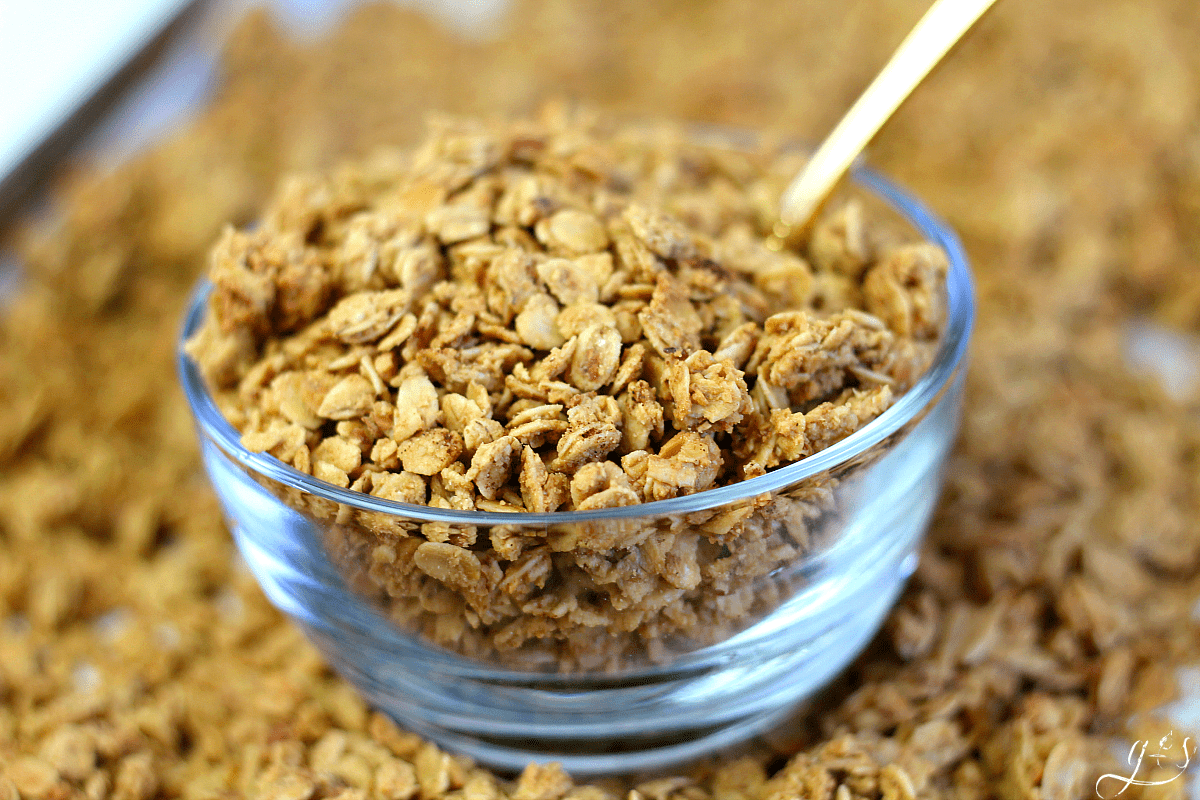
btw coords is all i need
(950, 353)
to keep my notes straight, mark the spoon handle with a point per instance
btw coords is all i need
(942, 26)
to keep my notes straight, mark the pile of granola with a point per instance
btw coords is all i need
(1053, 603)
(556, 315)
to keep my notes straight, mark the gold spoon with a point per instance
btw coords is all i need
(942, 26)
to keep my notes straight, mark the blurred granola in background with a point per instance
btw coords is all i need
(1054, 595)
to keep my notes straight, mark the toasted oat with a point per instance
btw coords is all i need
(572, 231)
(349, 398)
(537, 324)
(429, 452)
(367, 316)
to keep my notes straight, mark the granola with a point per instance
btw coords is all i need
(576, 340)
(128, 633)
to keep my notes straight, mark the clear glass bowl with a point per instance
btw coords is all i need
(826, 546)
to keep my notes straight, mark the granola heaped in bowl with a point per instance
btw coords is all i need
(471, 324)
(569, 409)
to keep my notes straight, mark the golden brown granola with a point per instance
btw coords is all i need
(1054, 595)
(597, 322)
(508, 287)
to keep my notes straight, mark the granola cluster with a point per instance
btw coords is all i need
(1054, 601)
(562, 315)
